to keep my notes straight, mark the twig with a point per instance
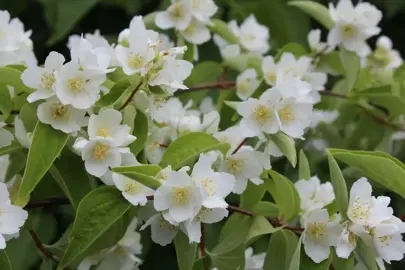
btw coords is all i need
(131, 96)
(42, 249)
(274, 222)
(239, 146)
(202, 247)
(48, 202)
(164, 145)
(333, 94)
(219, 84)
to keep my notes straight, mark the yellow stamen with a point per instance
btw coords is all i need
(100, 151)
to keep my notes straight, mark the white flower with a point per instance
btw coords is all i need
(178, 16)
(196, 32)
(385, 56)
(203, 10)
(347, 241)
(246, 164)
(179, 195)
(269, 68)
(313, 194)
(12, 217)
(318, 235)
(254, 262)
(107, 124)
(246, 83)
(323, 116)
(353, 26)
(314, 41)
(120, 256)
(214, 186)
(253, 36)
(62, 117)
(101, 153)
(136, 57)
(207, 105)
(132, 190)
(153, 149)
(163, 231)
(127, 159)
(23, 137)
(232, 135)
(77, 86)
(259, 115)
(294, 116)
(6, 137)
(205, 215)
(43, 78)
(360, 202)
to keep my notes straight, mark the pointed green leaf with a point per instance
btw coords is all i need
(351, 64)
(185, 251)
(308, 264)
(140, 131)
(339, 263)
(280, 250)
(339, 186)
(286, 146)
(260, 226)
(296, 258)
(303, 166)
(47, 143)
(252, 195)
(267, 209)
(187, 148)
(115, 93)
(366, 255)
(11, 76)
(317, 11)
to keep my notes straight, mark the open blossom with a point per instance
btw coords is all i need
(196, 32)
(43, 78)
(6, 137)
(246, 164)
(384, 55)
(313, 194)
(353, 26)
(133, 191)
(62, 117)
(136, 56)
(162, 231)
(314, 42)
(123, 255)
(178, 15)
(246, 83)
(12, 217)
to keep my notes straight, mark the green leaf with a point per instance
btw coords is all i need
(144, 174)
(4, 261)
(393, 103)
(68, 14)
(185, 251)
(351, 64)
(74, 183)
(115, 93)
(97, 212)
(140, 131)
(267, 209)
(234, 259)
(242, 62)
(286, 146)
(308, 264)
(16, 164)
(280, 250)
(188, 147)
(339, 263)
(12, 77)
(47, 143)
(284, 194)
(296, 49)
(304, 169)
(377, 166)
(315, 10)
(366, 255)
(296, 258)
(221, 28)
(339, 186)
(331, 61)
(10, 149)
(252, 195)
(6, 104)
(189, 54)
(260, 226)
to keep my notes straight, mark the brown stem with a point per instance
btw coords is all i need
(42, 249)
(332, 94)
(213, 85)
(164, 145)
(274, 222)
(239, 146)
(48, 202)
(130, 97)
(202, 247)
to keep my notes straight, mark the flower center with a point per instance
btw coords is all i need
(208, 186)
(77, 84)
(234, 165)
(317, 230)
(271, 77)
(384, 240)
(103, 132)
(180, 196)
(47, 80)
(177, 11)
(132, 187)
(244, 86)
(262, 114)
(360, 210)
(348, 30)
(136, 61)
(60, 112)
(286, 114)
(100, 151)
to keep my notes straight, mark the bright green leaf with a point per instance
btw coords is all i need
(377, 166)
(260, 226)
(12, 77)
(366, 255)
(267, 209)
(234, 259)
(47, 143)
(303, 166)
(280, 250)
(339, 263)
(252, 195)
(317, 11)
(115, 93)
(221, 28)
(286, 146)
(188, 147)
(351, 64)
(6, 104)
(339, 186)
(97, 212)
(308, 264)
(393, 103)
(185, 251)
(331, 61)
(140, 131)
(144, 174)
(296, 258)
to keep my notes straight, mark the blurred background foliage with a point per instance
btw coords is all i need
(52, 21)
